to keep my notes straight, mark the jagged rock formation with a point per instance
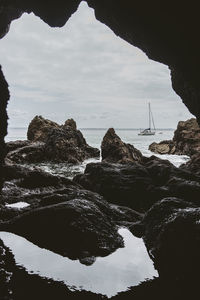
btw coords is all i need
(39, 128)
(48, 141)
(186, 140)
(114, 150)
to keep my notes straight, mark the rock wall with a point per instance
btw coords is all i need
(4, 97)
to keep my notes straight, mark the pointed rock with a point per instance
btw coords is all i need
(114, 150)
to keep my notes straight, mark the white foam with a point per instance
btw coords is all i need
(18, 205)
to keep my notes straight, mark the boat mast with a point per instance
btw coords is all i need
(149, 117)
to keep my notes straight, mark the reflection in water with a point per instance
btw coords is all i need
(109, 275)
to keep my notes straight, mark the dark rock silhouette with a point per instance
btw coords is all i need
(75, 228)
(114, 150)
(62, 216)
(139, 186)
(193, 165)
(7, 264)
(169, 227)
(186, 140)
(48, 141)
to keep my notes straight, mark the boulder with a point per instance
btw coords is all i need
(171, 234)
(186, 140)
(48, 141)
(114, 150)
(76, 228)
(140, 185)
(69, 145)
(38, 129)
(164, 147)
(129, 184)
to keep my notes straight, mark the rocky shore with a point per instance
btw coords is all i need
(80, 218)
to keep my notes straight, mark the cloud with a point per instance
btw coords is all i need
(86, 72)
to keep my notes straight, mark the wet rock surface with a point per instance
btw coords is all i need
(62, 216)
(7, 265)
(171, 234)
(186, 140)
(14, 145)
(77, 228)
(139, 186)
(193, 165)
(48, 141)
(114, 150)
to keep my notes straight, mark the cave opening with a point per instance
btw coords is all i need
(114, 83)
(83, 71)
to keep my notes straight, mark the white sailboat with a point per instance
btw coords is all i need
(149, 131)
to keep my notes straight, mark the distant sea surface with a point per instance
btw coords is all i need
(94, 138)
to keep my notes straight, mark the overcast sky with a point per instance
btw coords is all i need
(83, 71)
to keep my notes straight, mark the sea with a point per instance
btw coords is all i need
(94, 137)
(108, 275)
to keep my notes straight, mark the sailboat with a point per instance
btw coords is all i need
(149, 131)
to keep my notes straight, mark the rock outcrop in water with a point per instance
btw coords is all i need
(39, 128)
(114, 150)
(48, 141)
(186, 140)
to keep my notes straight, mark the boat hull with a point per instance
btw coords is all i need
(149, 133)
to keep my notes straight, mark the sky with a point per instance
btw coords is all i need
(84, 71)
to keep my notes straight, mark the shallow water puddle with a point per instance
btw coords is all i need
(18, 205)
(109, 275)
